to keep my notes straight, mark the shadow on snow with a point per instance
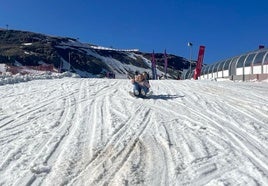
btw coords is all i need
(165, 97)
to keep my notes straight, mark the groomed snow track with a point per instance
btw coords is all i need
(91, 132)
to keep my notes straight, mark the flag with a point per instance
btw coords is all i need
(198, 68)
(190, 44)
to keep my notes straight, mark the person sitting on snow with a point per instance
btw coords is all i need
(140, 85)
(146, 76)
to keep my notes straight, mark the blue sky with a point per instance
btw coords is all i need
(227, 28)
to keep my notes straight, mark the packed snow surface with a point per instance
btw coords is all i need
(74, 131)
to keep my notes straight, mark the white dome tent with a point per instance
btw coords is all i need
(249, 66)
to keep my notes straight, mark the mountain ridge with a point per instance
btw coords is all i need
(87, 60)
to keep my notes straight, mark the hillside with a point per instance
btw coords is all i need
(80, 131)
(21, 48)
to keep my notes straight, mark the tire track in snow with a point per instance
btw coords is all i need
(30, 110)
(96, 109)
(245, 144)
(195, 123)
(116, 151)
(166, 144)
(41, 165)
(18, 158)
(179, 143)
(74, 151)
(170, 169)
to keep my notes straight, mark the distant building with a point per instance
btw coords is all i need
(248, 66)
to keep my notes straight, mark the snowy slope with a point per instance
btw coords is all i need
(91, 132)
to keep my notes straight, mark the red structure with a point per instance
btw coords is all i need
(198, 68)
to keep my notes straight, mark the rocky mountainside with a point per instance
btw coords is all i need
(39, 51)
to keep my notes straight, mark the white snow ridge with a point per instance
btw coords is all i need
(74, 131)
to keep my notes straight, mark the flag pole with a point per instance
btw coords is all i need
(190, 45)
(166, 63)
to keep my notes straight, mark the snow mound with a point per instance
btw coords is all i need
(8, 78)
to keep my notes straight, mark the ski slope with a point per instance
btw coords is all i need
(74, 131)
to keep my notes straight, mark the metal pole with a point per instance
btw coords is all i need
(190, 58)
(190, 45)
(69, 61)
